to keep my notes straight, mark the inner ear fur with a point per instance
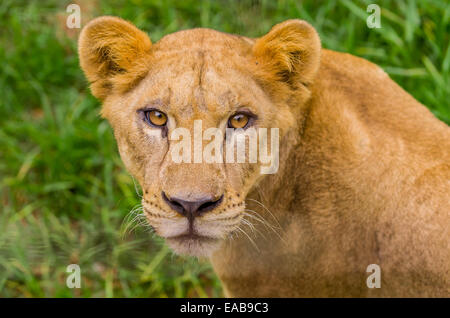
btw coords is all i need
(289, 53)
(114, 54)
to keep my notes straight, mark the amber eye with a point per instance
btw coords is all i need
(239, 120)
(155, 117)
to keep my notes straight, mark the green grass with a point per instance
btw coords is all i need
(63, 189)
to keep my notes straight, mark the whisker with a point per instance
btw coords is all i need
(273, 216)
(250, 239)
(260, 219)
(249, 224)
(253, 228)
(136, 187)
(132, 220)
(130, 214)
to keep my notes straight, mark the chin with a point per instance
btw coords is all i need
(193, 245)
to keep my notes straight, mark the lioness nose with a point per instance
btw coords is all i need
(191, 209)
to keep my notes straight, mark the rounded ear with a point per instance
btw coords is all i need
(289, 53)
(114, 54)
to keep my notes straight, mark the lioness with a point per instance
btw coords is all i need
(364, 173)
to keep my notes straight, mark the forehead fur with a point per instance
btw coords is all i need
(196, 57)
(190, 86)
(205, 39)
(204, 62)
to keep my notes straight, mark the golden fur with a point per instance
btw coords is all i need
(364, 168)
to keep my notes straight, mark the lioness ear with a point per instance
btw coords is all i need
(289, 53)
(114, 54)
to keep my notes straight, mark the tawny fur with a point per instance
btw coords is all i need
(364, 168)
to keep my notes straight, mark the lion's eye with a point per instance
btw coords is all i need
(155, 117)
(239, 120)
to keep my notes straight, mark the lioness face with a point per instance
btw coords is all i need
(192, 205)
(190, 82)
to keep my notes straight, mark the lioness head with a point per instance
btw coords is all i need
(226, 81)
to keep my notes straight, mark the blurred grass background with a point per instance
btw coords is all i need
(64, 191)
